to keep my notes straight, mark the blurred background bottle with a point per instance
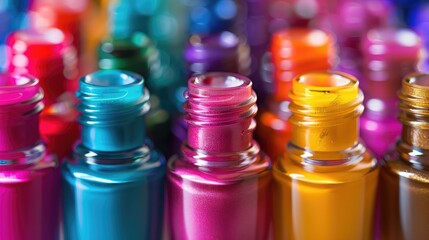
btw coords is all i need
(292, 52)
(388, 55)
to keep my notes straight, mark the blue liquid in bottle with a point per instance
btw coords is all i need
(114, 185)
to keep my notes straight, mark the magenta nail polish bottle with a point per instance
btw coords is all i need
(388, 56)
(219, 184)
(29, 177)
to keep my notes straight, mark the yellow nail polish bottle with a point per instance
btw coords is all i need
(325, 183)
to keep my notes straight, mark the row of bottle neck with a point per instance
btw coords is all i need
(220, 110)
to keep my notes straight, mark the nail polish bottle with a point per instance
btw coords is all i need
(388, 56)
(29, 176)
(325, 184)
(404, 178)
(67, 15)
(222, 52)
(219, 186)
(283, 62)
(349, 21)
(114, 185)
(49, 55)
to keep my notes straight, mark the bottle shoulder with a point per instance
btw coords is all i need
(152, 166)
(25, 172)
(393, 163)
(219, 174)
(349, 171)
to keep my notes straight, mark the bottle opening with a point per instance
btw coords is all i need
(330, 90)
(7, 80)
(324, 80)
(422, 80)
(111, 78)
(213, 81)
(17, 88)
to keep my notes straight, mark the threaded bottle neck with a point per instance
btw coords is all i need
(288, 58)
(414, 113)
(219, 110)
(112, 106)
(325, 109)
(20, 106)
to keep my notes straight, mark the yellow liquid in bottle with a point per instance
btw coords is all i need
(325, 185)
(326, 203)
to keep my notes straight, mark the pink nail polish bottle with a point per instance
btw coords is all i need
(219, 184)
(29, 177)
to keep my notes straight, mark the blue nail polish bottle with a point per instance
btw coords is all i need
(113, 188)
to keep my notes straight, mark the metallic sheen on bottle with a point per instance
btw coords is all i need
(114, 186)
(325, 184)
(219, 186)
(29, 177)
(404, 181)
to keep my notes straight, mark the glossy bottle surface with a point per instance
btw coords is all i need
(114, 186)
(30, 197)
(325, 185)
(114, 202)
(219, 187)
(29, 177)
(405, 197)
(404, 181)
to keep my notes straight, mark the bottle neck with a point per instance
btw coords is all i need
(325, 111)
(112, 106)
(220, 111)
(413, 105)
(20, 106)
(415, 136)
(332, 136)
(236, 136)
